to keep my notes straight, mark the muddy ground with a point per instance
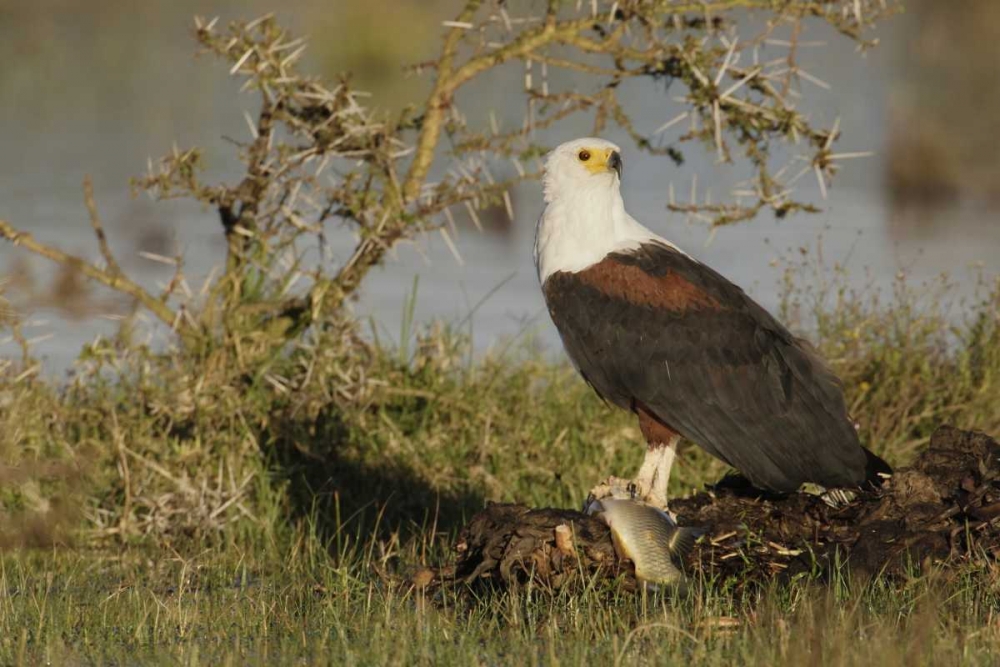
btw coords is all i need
(943, 509)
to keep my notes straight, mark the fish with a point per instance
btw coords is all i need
(649, 538)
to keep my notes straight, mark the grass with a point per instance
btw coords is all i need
(298, 603)
(169, 507)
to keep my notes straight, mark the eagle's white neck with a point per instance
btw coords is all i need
(582, 225)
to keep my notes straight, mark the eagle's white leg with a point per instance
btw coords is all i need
(649, 485)
(651, 482)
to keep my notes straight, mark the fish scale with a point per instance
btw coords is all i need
(648, 537)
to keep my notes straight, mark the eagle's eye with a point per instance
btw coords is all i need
(584, 156)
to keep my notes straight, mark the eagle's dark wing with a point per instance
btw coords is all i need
(657, 327)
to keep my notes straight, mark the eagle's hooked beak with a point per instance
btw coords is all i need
(615, 163)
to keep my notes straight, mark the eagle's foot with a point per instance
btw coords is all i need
(835, 498)
(615, 487)
(650, 484)
(627, 489)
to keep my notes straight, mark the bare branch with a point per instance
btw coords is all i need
(115, 281)
(95, 222)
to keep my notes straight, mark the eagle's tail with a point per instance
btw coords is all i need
(876, 469)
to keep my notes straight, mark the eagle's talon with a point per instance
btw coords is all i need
(637, 490)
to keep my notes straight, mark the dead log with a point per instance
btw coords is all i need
(942, 509)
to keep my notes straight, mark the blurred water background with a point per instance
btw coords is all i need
(99, 87)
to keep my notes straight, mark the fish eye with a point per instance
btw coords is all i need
(584, 155)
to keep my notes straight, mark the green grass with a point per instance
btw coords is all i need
(228, 507)
(298, 603)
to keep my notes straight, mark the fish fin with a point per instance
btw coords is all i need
(683, 539)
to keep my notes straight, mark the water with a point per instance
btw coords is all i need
(102, 99)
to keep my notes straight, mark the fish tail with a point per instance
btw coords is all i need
(683, 539)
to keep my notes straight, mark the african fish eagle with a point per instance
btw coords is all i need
(657, 332)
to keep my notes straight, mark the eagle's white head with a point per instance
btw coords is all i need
(584, 217)
(582, 164)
